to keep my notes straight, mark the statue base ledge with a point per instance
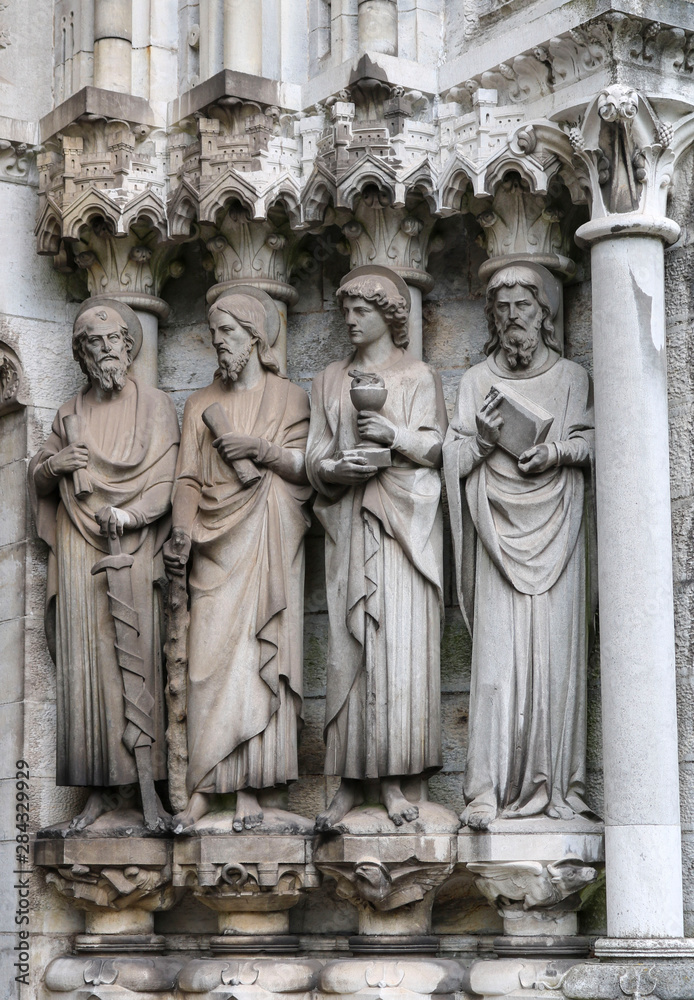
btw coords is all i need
(125, 823)
(393, 944)
(254, 944)
(117, 944)
(537, 838)
(102, 851)
(542, 946)
(276, 822)
(373, 821)
(647, 948)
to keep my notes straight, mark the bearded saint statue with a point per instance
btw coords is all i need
(521, 551)
(245, 539)
(126, 446)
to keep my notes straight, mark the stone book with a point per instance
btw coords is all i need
(526, 423)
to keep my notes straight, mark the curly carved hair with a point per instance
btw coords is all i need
(390, 304)
(507, 277)
(83, 327)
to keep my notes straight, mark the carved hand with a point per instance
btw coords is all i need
(349, 470)
(176, 552)
(537, 459)
(233, 446)
(375, 427)
(489, 422)
(112, 520)
(74, 457)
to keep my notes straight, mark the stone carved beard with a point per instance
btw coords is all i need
(519, 342)
(111, 373)
(232, 363)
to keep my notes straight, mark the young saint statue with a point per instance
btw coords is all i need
(245, 536)
(383, 553)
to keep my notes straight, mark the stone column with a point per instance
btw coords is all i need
(637, 642)
(629, 176)
(243, 36)
(113, 45)
(378, 26)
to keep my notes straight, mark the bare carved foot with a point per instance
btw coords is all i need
(198, 806)
(344, 799)
(477, 817)
(96, 806)
(248, 812)
(400, 810)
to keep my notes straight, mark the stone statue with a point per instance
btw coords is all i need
(515, 458)
(383, 549)
(239, 508)
(102, 491)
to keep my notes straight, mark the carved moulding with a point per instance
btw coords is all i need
(118, 881)
(90, 978)
(251, 881)
(395, 978)
(12, 388)
(250, 978)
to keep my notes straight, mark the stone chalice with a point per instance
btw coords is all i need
(368, 392)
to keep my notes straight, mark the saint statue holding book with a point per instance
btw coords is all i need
(516, 457)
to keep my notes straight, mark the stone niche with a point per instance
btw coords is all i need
(295, 728)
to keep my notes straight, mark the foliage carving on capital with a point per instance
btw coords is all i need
(397, 237)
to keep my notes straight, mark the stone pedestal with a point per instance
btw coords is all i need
(536, 873)
(252, 881)
(391, 878)
(118, 881)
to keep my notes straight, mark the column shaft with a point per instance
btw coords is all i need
(113, 45)
(243, 36)
(378, 26)
(642, 824)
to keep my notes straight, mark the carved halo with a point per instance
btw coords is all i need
(550, 284)
(378, 270)
(128, 315)
(272, 322)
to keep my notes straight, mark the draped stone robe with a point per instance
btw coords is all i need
(133, 443)
(383, 556)
(245, 642)
(521, 551)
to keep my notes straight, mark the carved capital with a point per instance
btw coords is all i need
(102, 211)
(522, 225)
(533, 897)
(395, 237)
(383, 885)
(241, 249)
(109, 874)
